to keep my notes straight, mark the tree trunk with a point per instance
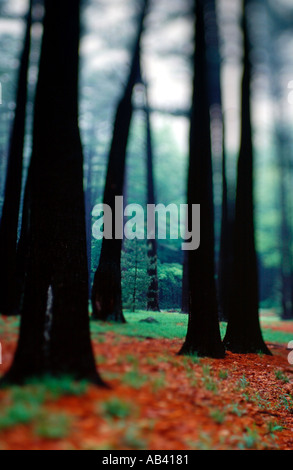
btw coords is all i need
(244, 332)
(203, 335)
(54, 333)
(226, 246)
(185, 285)
(285, 228)
(10, 211)
(107, 292)
(153, 288)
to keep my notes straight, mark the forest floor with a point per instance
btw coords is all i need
(157, 400)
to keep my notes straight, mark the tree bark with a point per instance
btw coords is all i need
(107, 292)
(244, 332)
(10, 211)
(153, 288)
(203, 335)
(54, 333)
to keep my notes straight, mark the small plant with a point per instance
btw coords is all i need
(223, 374)
(236, 410)
(243, 383)
(218, 416)
(134, 378)
(159, 382)
(52, 426)
(116, 408)
(286, 401)
(62, 386)
(279, 374)
(274, 427)
(18, 413)
(251, 439)
(133, 439)
(207, 379)
(195, 359)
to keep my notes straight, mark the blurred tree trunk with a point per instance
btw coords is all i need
(282, 138)
(106, 292)
(285, 227)
(226, 245)
(244, 332)
(203, 335)
(185, 285)
(88, 211)
(10, 211)
(54, 333)
(153, 288)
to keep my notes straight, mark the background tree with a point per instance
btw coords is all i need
(106, 292)
(244, 332)
(153, 288)
(54, 334)
(12, 196)
(203, 335)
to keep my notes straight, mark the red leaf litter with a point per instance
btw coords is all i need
(171, 402)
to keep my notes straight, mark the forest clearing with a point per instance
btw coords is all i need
(157, 400)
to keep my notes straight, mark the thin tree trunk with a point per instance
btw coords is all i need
(54, 334)
(10, 211)
(107, 292)
(203, 335)
(244, 332)
(153, 288)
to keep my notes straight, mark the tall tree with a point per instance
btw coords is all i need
(244, 332)
(276, 27)
(226, 243)
(203, 335)
(54, 333)
(153, 288)
(10, 211)
(106, 292)
(285, 225)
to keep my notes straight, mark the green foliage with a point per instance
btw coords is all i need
(223, 374)
(116, 408)
(251, 439)
(279, 374)
(170, 284)
(242, 383)
(55, 388)
(134, 378)
(218, 416)
(18, 413)
(274, 427)
(52, 426)
(25, 405)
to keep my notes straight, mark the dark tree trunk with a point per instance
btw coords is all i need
(203, 335)
(244, 332)
(10, 212)
(88, 211)
(285, 187)
(54, 334)
(153, 288)
(107, 292)
(285, 228)
(185, 285)
(226, 246)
